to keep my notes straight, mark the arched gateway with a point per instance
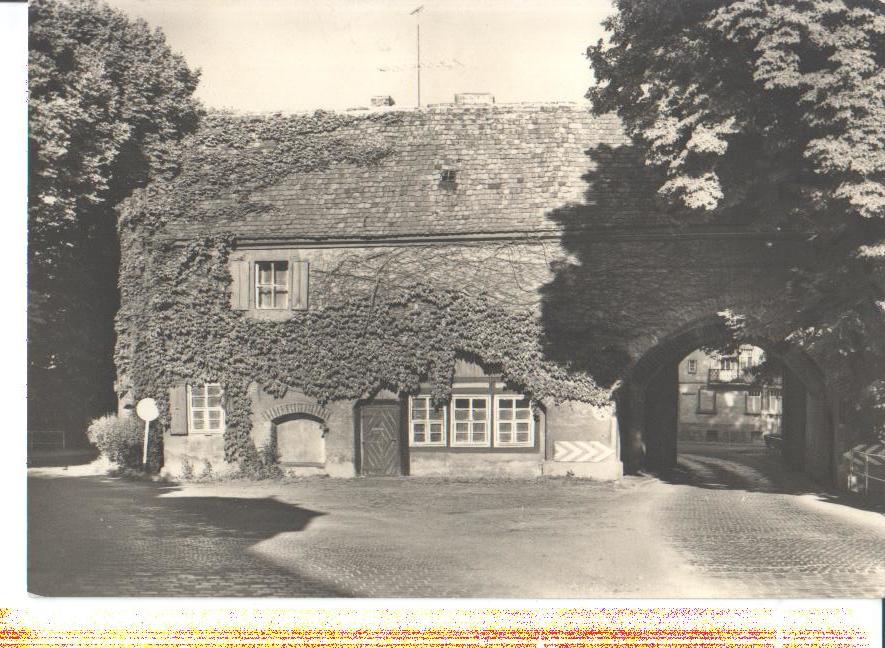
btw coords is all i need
(648, 402)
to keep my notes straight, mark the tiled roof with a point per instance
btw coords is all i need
(514, 165)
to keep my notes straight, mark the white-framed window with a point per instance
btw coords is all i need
(427, 423)
(470, 415)
(754, 401)
(514, 423)
(272, 284)
(205, 408)
(692, 366)
(706, 401)
(773, 402)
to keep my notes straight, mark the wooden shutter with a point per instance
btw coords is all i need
(240, 286)
(300, 284)
(178, 410)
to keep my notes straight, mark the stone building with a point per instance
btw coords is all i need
(721, 401)
(546, 209)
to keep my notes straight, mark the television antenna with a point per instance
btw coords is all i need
(417, 14)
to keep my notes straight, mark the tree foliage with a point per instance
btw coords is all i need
(775, 112)
(107, 98)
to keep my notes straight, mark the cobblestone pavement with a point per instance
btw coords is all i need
(729, 523)
(764, 530)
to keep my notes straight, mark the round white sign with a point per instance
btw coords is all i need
(147, 409)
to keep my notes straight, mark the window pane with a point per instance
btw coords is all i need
(265, 299)
(479, 427)
(505, 414)
(281, 299)
(462, 403)
(461, 427)
(436, 427)
(479, 403)
(479, 415)
(435, 437)
(418, 427)
(213, 390)
(524, 403)
(522, 437)
(504, 426)
(504, 437)
(419, 414)
(479, 437)
(419, 438)
(264, 273)
(214, 401)
(505, 402)
(461, 415)
(436, 414)
(522, 427)
(198, 401)
(461, 437)
(281, 273)
(523, 414)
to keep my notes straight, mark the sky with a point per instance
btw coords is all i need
(294, 55)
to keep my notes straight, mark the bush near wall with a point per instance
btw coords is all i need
(119, 439)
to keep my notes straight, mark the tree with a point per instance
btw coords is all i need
(108, 98)
(773, 111)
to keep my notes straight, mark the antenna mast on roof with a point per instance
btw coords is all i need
(417, 13)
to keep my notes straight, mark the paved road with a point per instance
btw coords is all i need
(729, 522)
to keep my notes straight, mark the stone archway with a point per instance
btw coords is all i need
(647, 402)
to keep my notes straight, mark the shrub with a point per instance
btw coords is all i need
(118, 439)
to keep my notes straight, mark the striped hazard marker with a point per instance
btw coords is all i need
(873, 454)
(581, 451)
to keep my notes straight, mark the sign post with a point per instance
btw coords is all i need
(147, 411)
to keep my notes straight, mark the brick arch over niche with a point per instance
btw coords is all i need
(294, 408)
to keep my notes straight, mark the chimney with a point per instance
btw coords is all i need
(474, 98)
(380, 101)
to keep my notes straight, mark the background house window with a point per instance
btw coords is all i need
(773, 401)
(754, 401)
(427, 424)
(514, 424)
(692, 366)
(706, 401)
(272, 284)
(470, 416)
(205, 408)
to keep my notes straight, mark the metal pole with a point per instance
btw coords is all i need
(418, 25)
(147, 430)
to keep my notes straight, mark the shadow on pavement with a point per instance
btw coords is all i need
(101, 536)
(752, 469)
(62, 457)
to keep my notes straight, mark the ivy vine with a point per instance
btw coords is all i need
(176, 325)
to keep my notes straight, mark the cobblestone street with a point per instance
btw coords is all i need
(731, 523)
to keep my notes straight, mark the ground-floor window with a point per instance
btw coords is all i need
(427, 423)
(514, 424)
(470, 417)
(205, 408)
(754, 401)
(472, 421)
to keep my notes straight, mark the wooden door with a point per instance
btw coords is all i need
(380, 439)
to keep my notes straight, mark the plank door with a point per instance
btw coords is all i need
(380, 439)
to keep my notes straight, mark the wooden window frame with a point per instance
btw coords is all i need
(779, 394)
(191, 409)
(692, 366)
(273, 285)
(497, 420)
(427, 421)
(453, 440)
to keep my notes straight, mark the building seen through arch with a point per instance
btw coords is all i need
(723, 398)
